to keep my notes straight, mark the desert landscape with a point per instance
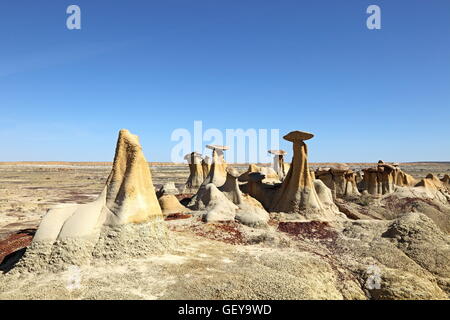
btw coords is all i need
(206, 229)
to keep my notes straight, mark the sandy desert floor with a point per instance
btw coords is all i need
(287, 260)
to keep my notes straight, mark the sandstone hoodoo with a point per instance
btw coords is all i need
(228, 203)
(251, 211)
(216, 176)
(446, 181)
(431, 182)
(231, 187)
(270, 176)
(170, 205)
(297, 193)
(383, 178)
(127, 211)
(243, 225)
(217, 173)
(206, 166)
(279, 166)
(196, 177)
(340, 179)
(256, 188)
(167, 188)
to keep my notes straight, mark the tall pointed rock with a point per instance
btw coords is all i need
(297, 193)
(130, 194)
(196, 177)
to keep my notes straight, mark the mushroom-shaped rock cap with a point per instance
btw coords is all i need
(298, 136)
(277, 152)
(321, 171)
(387, 166)
(189, 155)
(207, 160)
(339, 167)
(256, 176)
(232, 172)
(214, 146)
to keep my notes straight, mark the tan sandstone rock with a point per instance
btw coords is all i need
(166, 189)
(279, 166)
(76, 233)
(297, 193)
(206, 166)
(340, 179)
(217, 173)
(170, 205)
(196, 177)
(250, 212)
(270, 176)
(382, 179)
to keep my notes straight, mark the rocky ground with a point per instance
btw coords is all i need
(391, 248)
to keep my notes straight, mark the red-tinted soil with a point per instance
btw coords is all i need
(15, 242)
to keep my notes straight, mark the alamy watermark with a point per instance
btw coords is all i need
(73, 280)
(374, 20)
(245, 145)
(73, 21)
(373, 280)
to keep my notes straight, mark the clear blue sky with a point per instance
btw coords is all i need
(156, 65)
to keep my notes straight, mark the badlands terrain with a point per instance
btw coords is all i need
(232, 232)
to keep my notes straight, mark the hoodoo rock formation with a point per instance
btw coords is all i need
(434, 187)
(382, 179)
(340, 179)
(217, 173)
(228, 203)
(126, 212)
(170, 205)
(250, 212)
(270, 176)
(265, 237)
(217, 176)
(279, 166)
(167, 188)
(256, 188)
(297, 193)
(195, 178)
(206, 166)
(446, 181)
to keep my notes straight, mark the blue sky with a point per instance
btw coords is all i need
(155, 66)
